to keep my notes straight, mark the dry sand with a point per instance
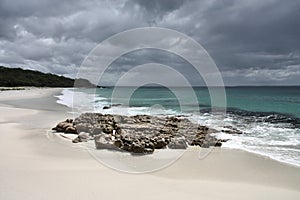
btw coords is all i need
(33, 166)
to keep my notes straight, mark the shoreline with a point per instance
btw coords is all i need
(264, 156)
(32, 157)
(50, 94)
(64, 100)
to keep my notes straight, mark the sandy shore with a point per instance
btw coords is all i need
(34, 167)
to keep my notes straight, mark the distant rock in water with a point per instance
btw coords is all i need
(268, 117)
(231, 130)
(139, 134)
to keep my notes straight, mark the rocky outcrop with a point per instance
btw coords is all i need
(66, 127)
(139, 134)
(204, 139)
(137, 145)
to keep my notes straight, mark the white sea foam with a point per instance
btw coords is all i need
(279, 143)
(66, 97)
(80, 101)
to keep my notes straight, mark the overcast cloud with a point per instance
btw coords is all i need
(252, 42)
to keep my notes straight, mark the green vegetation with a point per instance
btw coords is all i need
(11, 88)
(17, 77)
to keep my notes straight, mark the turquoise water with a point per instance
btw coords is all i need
(266, 99)
(285, 100)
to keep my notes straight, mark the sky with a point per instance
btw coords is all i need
(252, 42)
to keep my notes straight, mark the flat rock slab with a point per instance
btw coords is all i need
(140, 134)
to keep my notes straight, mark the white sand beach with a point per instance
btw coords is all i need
(34, 167)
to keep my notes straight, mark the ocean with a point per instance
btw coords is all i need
(269, 117)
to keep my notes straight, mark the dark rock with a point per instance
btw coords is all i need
(107, 128)
(58, 129)
(142, 118)
(224, 140)
(218, 144)
(77, 140)
(65, 126)
(118, 130)
(71, 129)
(198, 140)
(177, 143)
(127, 140)
(126, 147)
(69, 120)
(139, 134)
(118, 143)
(203, 128)
(96, 130)
(83, 127)
(116, 104)
(232, 131)
(160, 143)
(210, 141)
(149, 147)
(103, 141)
(137, 147)
(106, 107)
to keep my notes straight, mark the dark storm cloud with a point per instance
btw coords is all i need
(141, 57)
(243, 37)
(155, 9)
(260, 35)
(41, 8)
